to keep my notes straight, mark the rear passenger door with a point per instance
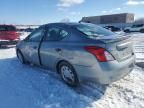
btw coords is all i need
(52, 46)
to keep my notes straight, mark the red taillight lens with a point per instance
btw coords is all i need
(100, 53)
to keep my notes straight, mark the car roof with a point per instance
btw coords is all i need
(7, 25)
(64, 24)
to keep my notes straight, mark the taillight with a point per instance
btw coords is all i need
(100, 53)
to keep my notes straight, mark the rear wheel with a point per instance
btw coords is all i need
(20, 57)
(68, 74)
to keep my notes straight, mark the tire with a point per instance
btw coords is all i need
(142, 30)
(20, 57)
(68, 74)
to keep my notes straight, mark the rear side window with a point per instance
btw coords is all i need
(55, 34)
(93, 31)
(7, 28)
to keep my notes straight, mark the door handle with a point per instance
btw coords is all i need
(58, 50)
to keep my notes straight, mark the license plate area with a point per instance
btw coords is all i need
(125, 54)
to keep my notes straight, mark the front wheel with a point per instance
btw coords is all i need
(68, 74)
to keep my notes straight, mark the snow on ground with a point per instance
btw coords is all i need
(139, 46)
(25, 86)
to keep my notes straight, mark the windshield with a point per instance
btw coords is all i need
(7, 28)
(93, 31)
(11, 28)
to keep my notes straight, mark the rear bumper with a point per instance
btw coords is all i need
(5, 42)
(106, 73)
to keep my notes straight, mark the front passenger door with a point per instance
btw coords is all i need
(32, 44)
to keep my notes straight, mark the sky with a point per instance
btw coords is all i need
(47, 11)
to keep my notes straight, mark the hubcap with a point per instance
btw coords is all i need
(67, 74)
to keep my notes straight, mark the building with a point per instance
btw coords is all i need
(113, 19)
(109, 19)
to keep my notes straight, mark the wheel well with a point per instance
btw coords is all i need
(18, 50)
(57, 65)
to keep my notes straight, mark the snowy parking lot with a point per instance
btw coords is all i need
(25, 86)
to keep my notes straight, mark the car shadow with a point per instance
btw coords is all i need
(44, 87)
(93, 91)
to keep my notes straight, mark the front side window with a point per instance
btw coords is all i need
(36, 36)
(93, 31)
(55, 34)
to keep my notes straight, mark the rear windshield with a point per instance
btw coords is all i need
(7, 28)
(93, 31)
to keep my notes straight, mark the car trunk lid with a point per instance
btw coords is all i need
(121, 47)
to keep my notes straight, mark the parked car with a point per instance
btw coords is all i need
(112, 28)
(21, 30)
(135, 28)
(26, 30)
(29, 30)
(8, 35)
(78, 52)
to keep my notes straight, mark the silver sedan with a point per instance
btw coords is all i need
(78, 52)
